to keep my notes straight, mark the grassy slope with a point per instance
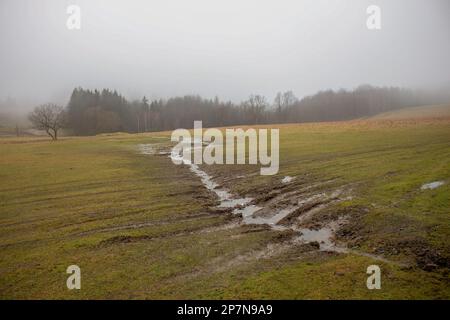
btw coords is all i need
(422, 112)
(53, 192)
(57, 199)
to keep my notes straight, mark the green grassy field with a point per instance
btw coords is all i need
(141, 227)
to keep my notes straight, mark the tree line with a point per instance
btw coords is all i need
(91, 112)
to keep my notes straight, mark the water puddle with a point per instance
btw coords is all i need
(432, 185)
(321, 236)
(324, 236)
(147, 149)
(287, 179)
(271, 220)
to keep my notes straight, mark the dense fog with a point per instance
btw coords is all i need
(230, 49)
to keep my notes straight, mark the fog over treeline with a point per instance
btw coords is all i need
(182, 54)
(101, 111)
(163, 49)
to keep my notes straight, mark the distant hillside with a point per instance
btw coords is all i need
(364, 101)
(422, 112)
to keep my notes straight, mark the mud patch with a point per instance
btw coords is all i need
(283, 207)
(426, 257)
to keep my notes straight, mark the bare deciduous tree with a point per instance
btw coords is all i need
(49, 117)
(282, 102)
(255, 106)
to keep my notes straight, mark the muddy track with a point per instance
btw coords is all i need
(289, 205)
(179, 233)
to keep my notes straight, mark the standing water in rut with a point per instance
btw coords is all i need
(243, 206)
(249, 212)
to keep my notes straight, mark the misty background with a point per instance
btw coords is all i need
(225, 48)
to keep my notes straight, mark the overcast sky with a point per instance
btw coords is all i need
(229, 48)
